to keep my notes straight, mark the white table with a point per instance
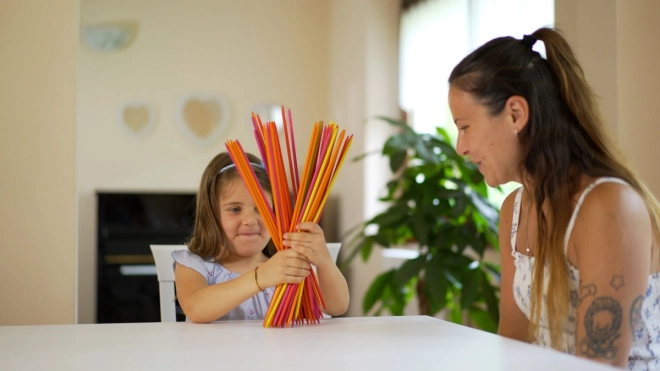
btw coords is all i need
(364, 343)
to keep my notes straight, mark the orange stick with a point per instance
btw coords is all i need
(303, 189)
(322, 191)
(347, 145)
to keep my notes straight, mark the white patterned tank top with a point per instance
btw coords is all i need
(645, 351)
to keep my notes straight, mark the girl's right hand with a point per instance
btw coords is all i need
(286, 266)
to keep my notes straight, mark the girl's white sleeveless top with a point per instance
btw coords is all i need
(254, 308)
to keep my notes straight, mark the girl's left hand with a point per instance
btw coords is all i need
(310, 242)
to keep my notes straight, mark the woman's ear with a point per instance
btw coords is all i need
(518, 111)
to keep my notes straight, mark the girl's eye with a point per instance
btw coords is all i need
(234, 209)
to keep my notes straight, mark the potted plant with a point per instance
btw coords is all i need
(438, 202)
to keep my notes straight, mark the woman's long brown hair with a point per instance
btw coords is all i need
(565, 137)
(208, 239)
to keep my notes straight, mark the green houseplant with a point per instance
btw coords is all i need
(438, 202)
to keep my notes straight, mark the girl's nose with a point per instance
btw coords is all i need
(250, 220)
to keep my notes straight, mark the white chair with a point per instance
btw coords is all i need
(334, 248)
(165, 272)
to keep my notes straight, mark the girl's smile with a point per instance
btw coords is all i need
(245, 231)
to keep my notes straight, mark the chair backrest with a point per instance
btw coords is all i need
(334, 248)
(165, 272)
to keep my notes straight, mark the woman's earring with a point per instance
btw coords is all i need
(515, 131)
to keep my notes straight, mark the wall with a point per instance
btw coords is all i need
(363, 84)
(638, 86)
(249, 51)
(590, 28)
(38, 52)
(618, 44)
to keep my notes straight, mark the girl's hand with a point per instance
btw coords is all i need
(310, 242)
(286, 266)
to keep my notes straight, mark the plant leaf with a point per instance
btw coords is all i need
(397, 159)
(470, 287)
(394, 215)
(375, 290)
(420, 228)
(369, 153)
(366, 247)
(486, 209)
(409, 269)
(436, 284)
(482, 319)
(397, 123)
(450, 277)
(492, 305)
(455, 314)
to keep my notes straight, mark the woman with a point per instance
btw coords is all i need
(580, 239)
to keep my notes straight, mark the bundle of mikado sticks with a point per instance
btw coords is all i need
(293, 303)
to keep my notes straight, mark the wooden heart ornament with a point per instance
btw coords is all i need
(203, 117)
(138, 119)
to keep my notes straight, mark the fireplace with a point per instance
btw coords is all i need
(127, 288)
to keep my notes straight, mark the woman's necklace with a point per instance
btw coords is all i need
(527, 229)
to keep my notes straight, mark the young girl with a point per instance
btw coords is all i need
(580, 239)
(232, 267)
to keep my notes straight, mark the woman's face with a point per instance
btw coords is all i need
(245, 231)
(489, 141)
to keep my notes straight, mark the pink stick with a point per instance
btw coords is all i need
(293, 145)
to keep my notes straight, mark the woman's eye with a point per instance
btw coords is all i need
(462, 128)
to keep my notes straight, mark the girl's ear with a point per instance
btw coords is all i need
(518, 111)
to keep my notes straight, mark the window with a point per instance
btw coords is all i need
(436, 34)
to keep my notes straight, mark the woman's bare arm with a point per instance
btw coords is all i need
(612, 240)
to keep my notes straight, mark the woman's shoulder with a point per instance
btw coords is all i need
(607, 208)
(506, 220)
(508, 205)
(610, 195)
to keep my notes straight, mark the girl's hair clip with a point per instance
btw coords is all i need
(261, 166)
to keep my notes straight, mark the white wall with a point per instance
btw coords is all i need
(363, 83)
(590, 28)
(617, 43)
(249, 51)
(638, 86)
(38, 52)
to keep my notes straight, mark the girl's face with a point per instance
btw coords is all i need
(489, 141)
(245, 231)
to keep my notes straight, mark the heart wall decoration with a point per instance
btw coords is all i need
(138, 119)
(202, 118)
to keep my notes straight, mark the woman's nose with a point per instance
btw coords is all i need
(461, 148)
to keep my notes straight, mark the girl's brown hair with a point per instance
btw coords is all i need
(208, 239)
(565, 137)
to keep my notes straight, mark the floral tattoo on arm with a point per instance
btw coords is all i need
(602, 321)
